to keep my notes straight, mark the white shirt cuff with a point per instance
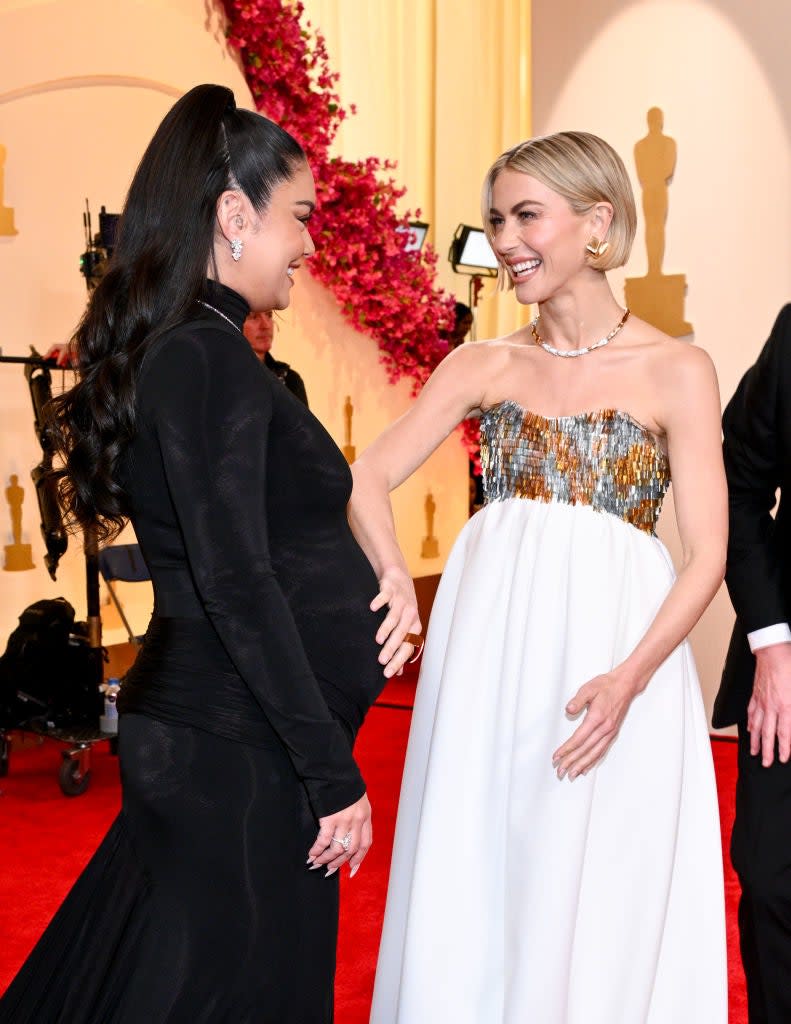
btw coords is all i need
(779, 633)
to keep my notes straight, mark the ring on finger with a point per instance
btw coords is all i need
(417, 641)
(346, 842)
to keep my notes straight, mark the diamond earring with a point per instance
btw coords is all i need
(236, 249)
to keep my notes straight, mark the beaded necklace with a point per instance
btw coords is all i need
(572, 353)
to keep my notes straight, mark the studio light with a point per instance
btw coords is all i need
(416, 231)
(470, 253)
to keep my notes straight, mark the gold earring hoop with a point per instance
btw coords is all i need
(597, 248)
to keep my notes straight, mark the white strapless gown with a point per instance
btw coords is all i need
(517, 898)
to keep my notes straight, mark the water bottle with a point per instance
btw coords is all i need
(108, 722)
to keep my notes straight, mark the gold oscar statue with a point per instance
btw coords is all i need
(657, 297)
(349, 450)
(18, 556)
(430, 547)
(6, 212)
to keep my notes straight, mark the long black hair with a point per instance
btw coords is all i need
(164, 247)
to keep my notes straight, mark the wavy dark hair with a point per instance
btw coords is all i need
(163, 251)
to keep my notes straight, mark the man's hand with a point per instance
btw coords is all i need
(769, 710)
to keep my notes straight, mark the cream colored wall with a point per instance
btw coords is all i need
(720, 72)
(82, 87)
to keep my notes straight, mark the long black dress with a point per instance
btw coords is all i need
(238, 718)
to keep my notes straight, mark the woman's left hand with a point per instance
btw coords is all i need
(397, 593)
(607, 698)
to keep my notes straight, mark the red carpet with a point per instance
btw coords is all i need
(46, 838)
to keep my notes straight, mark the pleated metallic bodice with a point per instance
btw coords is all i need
(604, 459)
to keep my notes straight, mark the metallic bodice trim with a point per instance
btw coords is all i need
(604, 459)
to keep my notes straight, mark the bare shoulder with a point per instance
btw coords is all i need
(459, 381)
(482, 358)
(675, 365)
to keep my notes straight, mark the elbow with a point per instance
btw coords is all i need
(708, 562)
(367, 477)
(719, 570)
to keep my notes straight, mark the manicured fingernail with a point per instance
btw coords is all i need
(309, 860)
(331, 871)
(354, 870)
(561, 772)
(315, 867)
(573, 774)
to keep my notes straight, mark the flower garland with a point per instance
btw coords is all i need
(383, 289)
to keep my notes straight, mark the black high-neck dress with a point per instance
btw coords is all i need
(238, 717)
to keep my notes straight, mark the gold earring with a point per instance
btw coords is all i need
(597, 248)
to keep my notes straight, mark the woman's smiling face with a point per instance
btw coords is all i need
(280, 242)
(274, 242)
(537, 236)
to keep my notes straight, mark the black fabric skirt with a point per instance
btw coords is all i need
(198, 905)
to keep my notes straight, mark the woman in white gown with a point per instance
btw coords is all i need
(557, 856)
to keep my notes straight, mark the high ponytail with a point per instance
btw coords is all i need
(164, 246)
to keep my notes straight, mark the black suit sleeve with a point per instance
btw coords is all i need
(753, 435)
(212, 408)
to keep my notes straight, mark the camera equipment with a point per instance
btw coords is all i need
(39, 378)
(55, 539)
(98, 247)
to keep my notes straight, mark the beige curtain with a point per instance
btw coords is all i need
(442, 87)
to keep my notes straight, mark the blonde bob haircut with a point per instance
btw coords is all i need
(585, 170)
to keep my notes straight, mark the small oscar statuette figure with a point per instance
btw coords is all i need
(657, 297)
(18, 556)
(349, 451)
(430, 547)
(6, 212)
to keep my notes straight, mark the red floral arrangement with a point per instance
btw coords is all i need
(383, 289)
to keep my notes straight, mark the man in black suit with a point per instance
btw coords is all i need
(259, 329)
(755, 693)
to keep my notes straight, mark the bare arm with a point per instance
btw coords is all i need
(692, 423)
(451, 393)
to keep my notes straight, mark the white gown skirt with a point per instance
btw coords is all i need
(517, 898)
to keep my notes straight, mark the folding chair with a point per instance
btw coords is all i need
(123, 562)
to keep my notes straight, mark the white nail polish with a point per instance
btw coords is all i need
(331, 871)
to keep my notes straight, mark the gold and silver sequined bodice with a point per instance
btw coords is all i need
(603, 459)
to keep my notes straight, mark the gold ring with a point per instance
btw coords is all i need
(417, 642)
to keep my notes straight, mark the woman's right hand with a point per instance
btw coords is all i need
(397, 592)
(328, 850)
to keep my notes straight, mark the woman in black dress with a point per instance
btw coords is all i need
(261, 660)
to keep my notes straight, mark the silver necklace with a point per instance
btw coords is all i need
(220, 313)
(572, 353)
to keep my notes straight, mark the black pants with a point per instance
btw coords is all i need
(761, 855)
